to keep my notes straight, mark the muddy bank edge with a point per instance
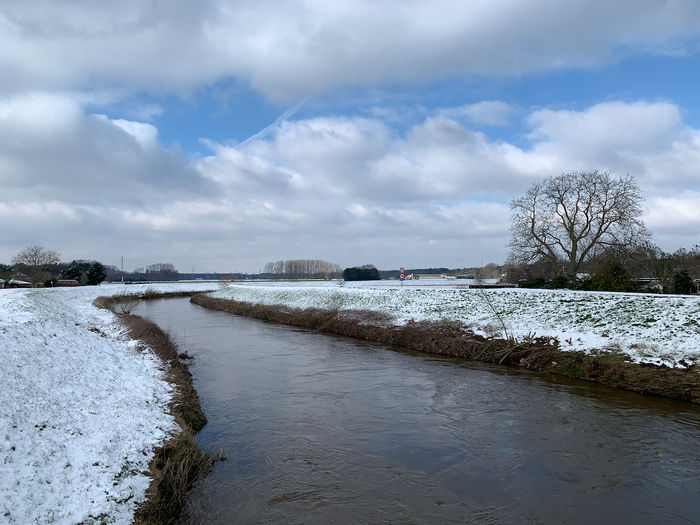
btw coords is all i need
(451, 338)
(179, 462)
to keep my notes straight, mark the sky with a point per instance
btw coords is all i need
(220, 135)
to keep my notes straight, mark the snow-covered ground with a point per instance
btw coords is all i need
(81, 408)
(659, 329)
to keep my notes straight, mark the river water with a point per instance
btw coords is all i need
(321, 429)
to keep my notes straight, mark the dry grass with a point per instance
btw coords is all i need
(452, 338)
(179, 462)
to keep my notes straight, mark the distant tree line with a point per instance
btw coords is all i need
(159, 272)
(301, 269)
(394, 274)
(43, 267)
(489, 271)
(644, 268)
(152, 272)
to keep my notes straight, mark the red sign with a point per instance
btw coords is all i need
(402, 275)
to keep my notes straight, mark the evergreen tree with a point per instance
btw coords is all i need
(682, 282)
(96, 274)
(72, 272)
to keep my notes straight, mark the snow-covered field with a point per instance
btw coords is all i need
(81, 408)
(660, 329)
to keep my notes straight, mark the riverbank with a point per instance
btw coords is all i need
(327, 429)
(83, 406)
(456, 339)
(646, 328)
(178, 462)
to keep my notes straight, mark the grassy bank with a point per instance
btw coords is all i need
(455, 339)
(648, 328)
(179, 462)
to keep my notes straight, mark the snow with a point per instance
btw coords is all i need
(649, 328)
(81, 407)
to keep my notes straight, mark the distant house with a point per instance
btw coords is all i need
(651, 282)
(14, 283)
(67, 282)
(425, 276)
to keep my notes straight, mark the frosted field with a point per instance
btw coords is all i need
(81, 409)
(648, 328)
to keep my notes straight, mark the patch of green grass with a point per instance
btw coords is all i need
(572, 368)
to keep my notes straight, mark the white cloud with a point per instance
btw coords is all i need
(487, 112)
(352, 190)
(37, 114)
(349, 190)
(50, 149)
(675, 221)
(678, 215)
(145, 134)
(442, 180)
(647, 140)
(300, 48)
(612, 125)
(146, 111)
(43, 212)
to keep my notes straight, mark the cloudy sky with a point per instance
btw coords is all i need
(219, 134)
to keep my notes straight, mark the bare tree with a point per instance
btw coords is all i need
(302, 269)
(565, 219)
(34, 260)
(158, 272)
(160, 267)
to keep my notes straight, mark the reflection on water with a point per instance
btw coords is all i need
(319, 429)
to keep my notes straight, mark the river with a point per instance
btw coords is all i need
(322, 429)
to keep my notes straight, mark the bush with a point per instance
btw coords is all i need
(586, 284)
(559, 282)
(533, 282)
(614, 278)
(367, 272)
(682, 282)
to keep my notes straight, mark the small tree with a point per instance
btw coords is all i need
(34, 261)
(96, 274)
(682, 282)
(5, 271)
(566, 218)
